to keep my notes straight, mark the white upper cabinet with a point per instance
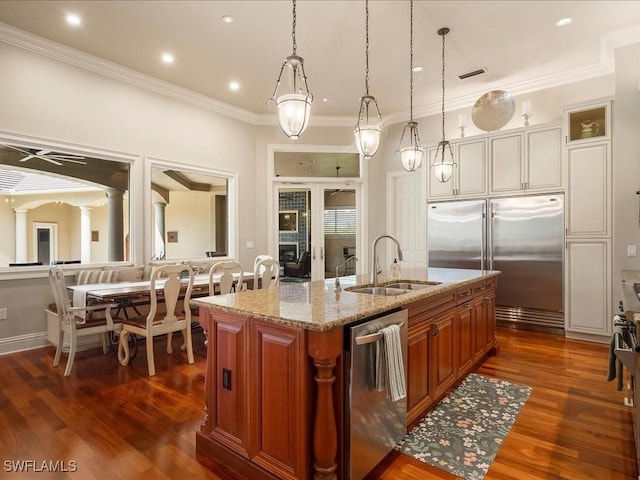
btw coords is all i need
(506, 154)
(589, 193)
(526, 161)
(588, 170)
(469, 177)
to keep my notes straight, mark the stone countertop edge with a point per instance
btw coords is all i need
(315, 306)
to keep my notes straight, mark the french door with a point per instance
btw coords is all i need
(319, 218)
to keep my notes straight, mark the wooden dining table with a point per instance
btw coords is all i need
(132, 294)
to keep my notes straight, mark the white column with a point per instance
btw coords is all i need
(159, 233)
(115, 232)
(21, 235)
(85, 234)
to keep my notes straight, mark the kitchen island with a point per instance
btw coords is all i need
(274, 390)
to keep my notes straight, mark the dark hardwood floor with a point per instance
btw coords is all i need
(112, 422)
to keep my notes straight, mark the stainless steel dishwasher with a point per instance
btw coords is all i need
(374, 424)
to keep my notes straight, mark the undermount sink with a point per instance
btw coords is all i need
(386, 291)
(394, 288)
(412, 285)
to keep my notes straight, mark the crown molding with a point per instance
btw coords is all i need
(28, 41)
(34, 43)
(606, 66)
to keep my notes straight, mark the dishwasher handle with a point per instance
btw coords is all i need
(373, 337)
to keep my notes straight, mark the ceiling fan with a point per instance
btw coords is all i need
(339, 190)
(48, 156)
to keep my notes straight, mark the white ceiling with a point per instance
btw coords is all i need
(517, 42)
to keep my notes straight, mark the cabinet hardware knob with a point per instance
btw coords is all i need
(436, 330)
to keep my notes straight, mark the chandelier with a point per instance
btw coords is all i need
(369, 128)
(443, 161)
(411, 154)
(294, 106)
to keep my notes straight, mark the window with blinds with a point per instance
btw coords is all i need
(340, 221)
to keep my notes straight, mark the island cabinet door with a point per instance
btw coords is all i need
(419, 382)
(481, 320)
(229, 384)
(444, 352)
(465, 333)
(280, 400)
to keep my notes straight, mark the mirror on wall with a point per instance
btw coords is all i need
(58, 208)
(190, 213)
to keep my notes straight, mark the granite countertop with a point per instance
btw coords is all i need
(315, 305)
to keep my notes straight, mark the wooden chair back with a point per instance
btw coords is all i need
(266, 274)
(229, 283)
(176, 305)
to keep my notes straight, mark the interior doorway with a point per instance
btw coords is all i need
(45, 242)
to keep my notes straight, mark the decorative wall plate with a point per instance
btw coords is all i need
(493, 110)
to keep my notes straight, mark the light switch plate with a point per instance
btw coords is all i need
(631, 251)
(3, 313)
(250, 244)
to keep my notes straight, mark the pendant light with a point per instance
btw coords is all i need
(368, 129)
(443, 161)
(293, 107)
(411, 154)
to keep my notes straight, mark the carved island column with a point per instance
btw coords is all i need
(325, 348)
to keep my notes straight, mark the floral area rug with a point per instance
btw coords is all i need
(463, 433)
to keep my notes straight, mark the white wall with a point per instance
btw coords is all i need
(626, 164)
(50, 99)
(45, 98)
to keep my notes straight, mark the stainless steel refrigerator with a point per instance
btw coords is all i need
(523, 237)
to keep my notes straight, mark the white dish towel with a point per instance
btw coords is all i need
(395, 365)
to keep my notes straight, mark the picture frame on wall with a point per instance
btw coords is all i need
(288, 221)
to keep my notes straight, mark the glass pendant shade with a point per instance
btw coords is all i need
(411, 154)
(368, 130)
(293, 113)
(293, 105)
(411, 158)
(443, 162)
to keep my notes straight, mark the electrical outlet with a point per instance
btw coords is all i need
(631, 251)
(3, 313)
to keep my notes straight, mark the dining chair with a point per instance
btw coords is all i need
(78, 321)
(227, 283)
(260, 258)
(266, 274)
(171, 282)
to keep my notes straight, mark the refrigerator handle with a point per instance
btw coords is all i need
(483, 249)
(489, 235)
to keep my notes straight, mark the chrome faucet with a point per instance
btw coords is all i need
(374, 270)
(337, 286)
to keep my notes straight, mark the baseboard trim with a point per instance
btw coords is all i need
(20, 343)
(587, 337)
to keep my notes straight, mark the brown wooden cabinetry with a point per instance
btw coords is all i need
(229, 415)
(279, 370)
(445, 352)
(419, 383)
(274, 393)
(465, 332)
(448, 334)
(257, 389)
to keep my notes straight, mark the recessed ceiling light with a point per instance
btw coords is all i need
(564, 21)
(73, 19)
(325, 99)
(234, 86)
(417, 68)
(167, 58)
(227, 19)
